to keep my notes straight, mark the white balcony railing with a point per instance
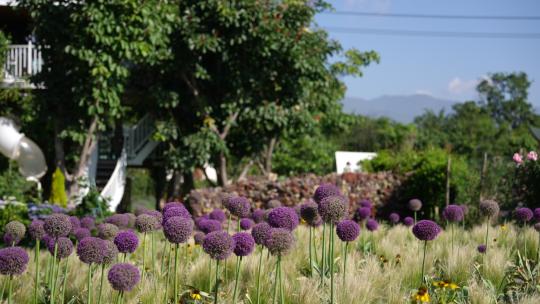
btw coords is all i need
(22, 61)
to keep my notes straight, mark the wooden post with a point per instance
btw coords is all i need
(483, 176)
(448, 168)
(29, 59)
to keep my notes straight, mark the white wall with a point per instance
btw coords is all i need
(342, 157)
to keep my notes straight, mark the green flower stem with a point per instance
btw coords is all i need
(281, 291)
(101, 283)
(165, 298)
(153, 241)
(322, 253)
(331, 263)
(238, 263)
(310, 251)
(143, 254)
(66, 269)
(259, 276)
(415, 217)
(55, 273)
(10, 287)
(538, 250)
(3, 289)
(452, 228)
(276, 275)
(165, 247)
(238, 224)
(209, 272)
(329, 257)
(175, 280)
(89, 295)
(487, 233)
(423, 263)
(217, 283)
(36, 280)
(345, 265)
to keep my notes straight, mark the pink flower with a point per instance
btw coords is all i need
(532, 156)
(517, 158)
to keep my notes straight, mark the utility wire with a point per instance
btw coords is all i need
(393, 32)
(432, 16)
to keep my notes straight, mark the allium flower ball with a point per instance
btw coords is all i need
(532, 155)
(176, 211)
(123, 277)
(107, 231)
(178, 229)
(517, 158)
(110, 253)
(75, 223)
(260, 232)
(537, 227)
(536, 214)
(393, 218)
(239, 206)
(147, 223)
(157, 215)
(47, 239)
(333, 208)
(408, 221)
(481, 248)
(218, 244)
(198, 238)
(372, 225)
(523, 214)
(14, 232)
(91, 249)
(81, 233)
(140, 210)
(273, 204)
(426, 230)
(208, 226)
(280, 241)
(57, 225)
(453, 213)
(126, 241)
(88, 222)
(347, 230)
(64, 247)
(324, 191)
(36, 230)
(243, 244)
(283, 217)
(131, 219)
(489, 208)
(198, 220)
(309, 212)
(13, 261)
(218, 215)
(258, 215)
(362, 214)
(246, 223)
(366, 204)
(415, 204)
(119, 220)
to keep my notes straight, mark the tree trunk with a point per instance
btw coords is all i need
(160, 182)
(174, 186)
(187, 183)
(245, 170)
(268, 156)
(223, 180)
(89, 144)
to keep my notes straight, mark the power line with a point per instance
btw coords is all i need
(432, 16)
(393, 32)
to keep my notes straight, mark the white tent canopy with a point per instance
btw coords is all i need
(348, 161)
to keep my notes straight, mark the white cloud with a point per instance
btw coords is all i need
(459, 86)
(423, 92)
(378, 6)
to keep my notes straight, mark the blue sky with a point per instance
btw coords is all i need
(442, 67)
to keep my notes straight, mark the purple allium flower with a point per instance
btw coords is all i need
(36, 230)
(176, 211)
(260, 232)
(208, 226)
(489, 208)
(198, 238)
(366, 204)
(408, 221)
(119, 220)
(536, 214)
(157, 215)
(258, 215)
(393, 218)
(126, 241)
(174, 205)
(147, 223)
(279, 241)
(198, 220)
(453, 213)
(537, 227)
(131, 219)
(372, 225)
(110, 253)
(140, 210)
(243, 244)
(309, 211)
(88, 222)
(14, 232)
(123, 277)
(75, 223)
(426, 230)
(415, 204)
(81, 233)
(246, 223)
(64, 247)
(178, 229)
(324, 191)
(274, 203)
(218, 244)
(464, 208)
(13, 261)
(347, 230)
(90, 250)
(523, 214)
(333, 208)
(57, 225)
(239, 206)
(47, 239)
(362, 214)
(218, 215)
(283, 217)
(107, 231)
(481, 248)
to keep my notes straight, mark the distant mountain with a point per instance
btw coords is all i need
(402, 108)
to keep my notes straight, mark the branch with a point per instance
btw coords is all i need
(192, 86)
(245, 170)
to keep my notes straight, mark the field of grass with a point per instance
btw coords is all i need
(382, 267)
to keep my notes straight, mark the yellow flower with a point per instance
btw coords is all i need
(302, 221)
(503, 227)
(195, 295)
(453, 286)
(421, 295)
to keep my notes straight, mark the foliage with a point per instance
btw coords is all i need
(12, 210)
(58, 189)
(525, 181)
(426, 174)
(13, 184)
(93, 204)
(3, 48)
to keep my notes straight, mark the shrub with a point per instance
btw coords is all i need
(523, 185)
(58, 189)
(12, 210)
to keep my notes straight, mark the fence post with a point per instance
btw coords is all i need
(29, 59)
